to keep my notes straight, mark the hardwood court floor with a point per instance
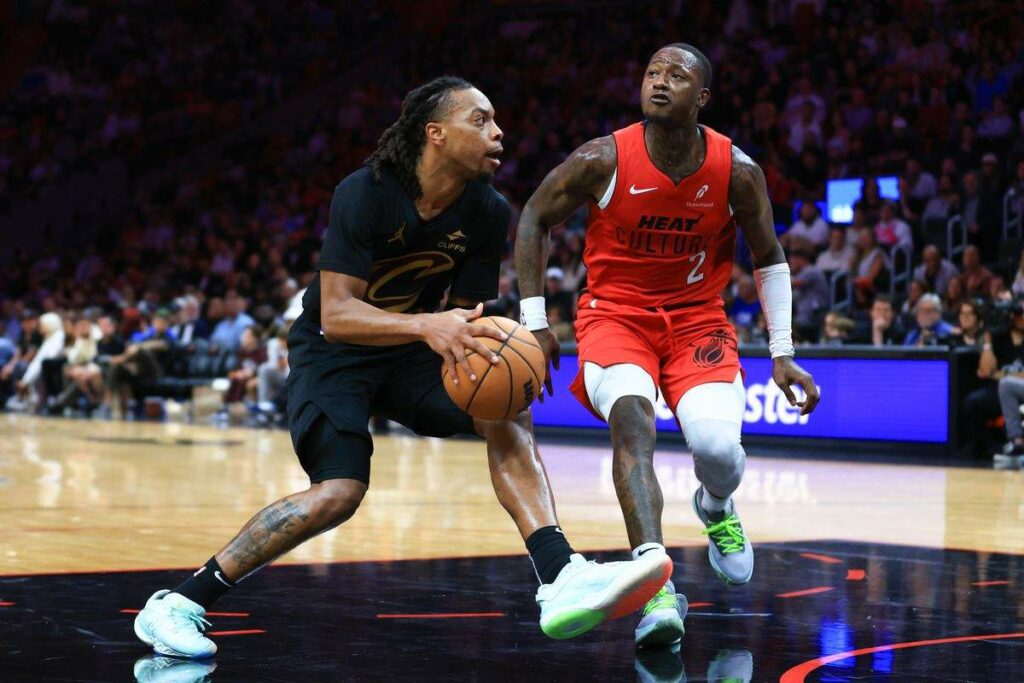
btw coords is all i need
(841, 546)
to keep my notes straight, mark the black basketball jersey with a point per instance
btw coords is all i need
(376, 234)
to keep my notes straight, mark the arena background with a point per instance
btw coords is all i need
(170, 166)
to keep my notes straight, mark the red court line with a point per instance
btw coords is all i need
(209, 614)
(855, 574)
(248, 632)
(6, 604)
(799, 672)
(982, 584)
(808, 591)
(694, 605)
(442, 615)
(821, 558)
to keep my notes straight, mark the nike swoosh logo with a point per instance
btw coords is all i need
(634, 190)
(220, 577)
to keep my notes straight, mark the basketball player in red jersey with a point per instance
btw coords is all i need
(665, 198)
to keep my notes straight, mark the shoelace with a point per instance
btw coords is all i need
(663, 600)
(192, 617)
(727, 535)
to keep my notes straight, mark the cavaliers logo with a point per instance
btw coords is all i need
(396, 283)
(711, 351)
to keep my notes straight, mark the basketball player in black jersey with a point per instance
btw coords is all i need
(418, 220)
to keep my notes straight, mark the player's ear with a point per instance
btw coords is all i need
(435, 133)
(705, 95)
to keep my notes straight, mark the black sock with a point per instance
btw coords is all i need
(207, 585)
(549, 551)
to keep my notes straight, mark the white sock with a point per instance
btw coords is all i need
(713, 503)
(641, 549)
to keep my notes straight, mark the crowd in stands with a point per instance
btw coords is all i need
(930, 92)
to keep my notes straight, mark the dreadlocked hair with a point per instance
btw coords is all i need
(400, 146)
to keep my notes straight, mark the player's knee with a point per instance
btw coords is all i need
(336, 500)
(717, 451)
(631, 421)
(507, 431)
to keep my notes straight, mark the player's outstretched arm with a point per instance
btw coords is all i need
(582, 176)
(345, 317)
(748, 196)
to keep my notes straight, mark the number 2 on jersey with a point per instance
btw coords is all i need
(694, 276)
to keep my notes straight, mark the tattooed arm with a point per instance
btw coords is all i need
(582, 176)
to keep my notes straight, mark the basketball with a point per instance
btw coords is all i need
(507, 387)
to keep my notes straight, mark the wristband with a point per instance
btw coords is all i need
(532, 313)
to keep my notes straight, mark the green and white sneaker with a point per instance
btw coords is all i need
(729, 550)
(587, 593)
(662, 622)
(173, 625)
(731, 666)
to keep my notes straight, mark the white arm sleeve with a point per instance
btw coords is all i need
(775, 289)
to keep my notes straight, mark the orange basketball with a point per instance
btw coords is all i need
(507, 387)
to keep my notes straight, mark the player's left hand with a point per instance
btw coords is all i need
(786, 373)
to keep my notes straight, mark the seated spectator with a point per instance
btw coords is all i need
(140, 364)
(8, 356)
(228, 332)
(746, 308)
(935, 270)
(272, 375)
(939, 207)
(997, 290)
(915, 291)
(954, 296)
(931, 328)
(870, 268)
(837, 329)
(810, 226)
(970, 331)
(251, 354)
(920, 182)
(976, 277)
(556, 295)
(1017, 288)
(29, 387)
(810, 293)
(189, 324)
(1001, 354)
(890, 230)
(886, 329)
(79, 357)
(110, 344)
(839, 254)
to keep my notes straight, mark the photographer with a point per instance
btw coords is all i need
(1002, 355)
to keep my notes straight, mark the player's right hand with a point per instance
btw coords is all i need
(451, 334)
(549, 345)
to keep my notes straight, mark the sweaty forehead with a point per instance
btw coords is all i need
(466, 101)
(675, 56)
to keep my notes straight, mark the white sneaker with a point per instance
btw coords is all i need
(160, 669)
(587, 593)
(729, 550)
(174, 626)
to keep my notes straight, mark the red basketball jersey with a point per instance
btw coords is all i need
(656, 243)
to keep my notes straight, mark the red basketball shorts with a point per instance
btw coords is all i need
(679, 348)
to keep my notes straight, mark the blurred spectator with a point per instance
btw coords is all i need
(746, 308)
(140, 364)
(870, 267)
(837, 329)
(943, 204)
(931, 328)
(158, 329)
(954, 294)
(29, 387)
(272, 375)
(809, 226)
(228, 332)
(1001, 355)
(810, 293)
(921, 183)
(976, 277)
(556, 296)
(935, 270)
(252, 353)
(8, 358)
(915, 291)
(870, 202)
(507, 302)
(839, 254)
(189, 325)
(886, 329)
(79, 358)
(1018, 278)
(970, 329)
(890, 230)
